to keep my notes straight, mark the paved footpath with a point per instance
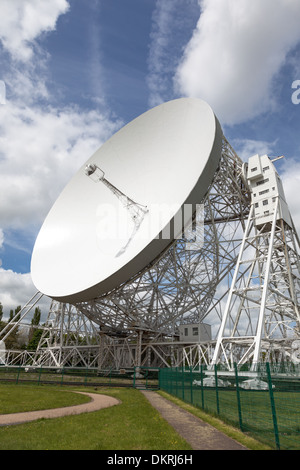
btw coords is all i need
(200, 435)
(97, 403)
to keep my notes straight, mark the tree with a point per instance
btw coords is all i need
(17, 310)
(34, 340)
(34, 333)
(11, 341)
(36, 317)
(2, 323)
(13, 315)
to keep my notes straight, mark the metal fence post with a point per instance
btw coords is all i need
(40, 373)
(62, 375)
(202, 391)
(19, 370)
(238, 396)
(134, 377)
(86, 376)
(273, 409)
(191, 384)
(217, 391)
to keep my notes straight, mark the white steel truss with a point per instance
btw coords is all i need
(261, 319)
(243, 279)
(179, 285)
(138, 322)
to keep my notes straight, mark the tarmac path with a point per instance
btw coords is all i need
(97, 403)
(200, 435)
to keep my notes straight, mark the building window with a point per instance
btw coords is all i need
(266, 168)
(265, 202)
(262, 182)
(195, 331)
(254, 169)
(256, 205)
(186, 332)
(263, 192)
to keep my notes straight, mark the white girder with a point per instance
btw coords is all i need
(243, 278)
(262, 309)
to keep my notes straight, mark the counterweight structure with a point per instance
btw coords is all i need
(261, 319)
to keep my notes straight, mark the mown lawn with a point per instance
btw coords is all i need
(19, 398)
(132, 425)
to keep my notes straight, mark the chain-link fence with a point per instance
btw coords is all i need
(264, 403)
(138, 377)
(67, 376)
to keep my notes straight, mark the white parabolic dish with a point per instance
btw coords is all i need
(94, 238)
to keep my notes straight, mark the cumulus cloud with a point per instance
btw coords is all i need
(236, 50)
(172, 22)
(17, 289)
(21, 22)
(40, 150)
(41, 145)
(246, 148)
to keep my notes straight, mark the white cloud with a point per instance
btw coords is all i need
(22, 21)
(172, 22)
(41, 146)
(1, 242)
(40, 150)
(236, 51)
(246, 148)
(18, 289)
(159, 58)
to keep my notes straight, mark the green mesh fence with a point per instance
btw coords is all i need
(139, 377)
(264, 404)
(67, 376)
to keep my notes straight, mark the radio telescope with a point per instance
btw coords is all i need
(165, 248)
(115, 215)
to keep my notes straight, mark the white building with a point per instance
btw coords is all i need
(266, 187)
(195, 332)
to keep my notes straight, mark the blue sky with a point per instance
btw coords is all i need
(75, 71)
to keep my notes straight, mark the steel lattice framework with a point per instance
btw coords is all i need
(138, 322)
(261, 318)
(236, 272)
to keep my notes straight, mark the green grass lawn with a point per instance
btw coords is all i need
(256, 415)
(19, 398)
(132, 425)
